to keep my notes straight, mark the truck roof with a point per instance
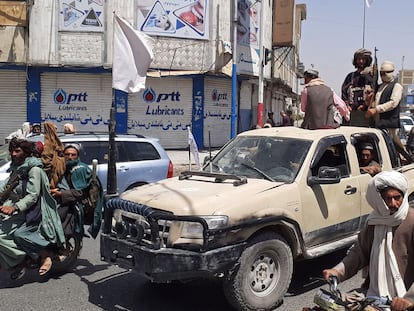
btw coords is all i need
(296, 132)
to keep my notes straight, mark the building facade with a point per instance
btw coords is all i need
(406, 79)
(56, 61)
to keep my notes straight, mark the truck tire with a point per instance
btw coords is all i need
(262, 275)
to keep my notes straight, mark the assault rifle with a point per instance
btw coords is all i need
(375, 72)
(374, 83)
(11, 184)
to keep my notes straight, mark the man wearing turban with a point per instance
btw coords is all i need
(385, 246)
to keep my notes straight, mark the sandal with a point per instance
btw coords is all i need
(18, 273)
(45, 267)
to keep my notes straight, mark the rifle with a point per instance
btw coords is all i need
(375, 72)
(373, 81)
(92, 193)
(11, 184)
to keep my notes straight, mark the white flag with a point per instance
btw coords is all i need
(132, 55)
(369, 2)
(193, 147)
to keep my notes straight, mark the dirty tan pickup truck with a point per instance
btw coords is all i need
(268, 198)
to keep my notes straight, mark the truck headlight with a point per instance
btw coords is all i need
(194, 230)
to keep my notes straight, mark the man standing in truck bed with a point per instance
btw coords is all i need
(387, 106)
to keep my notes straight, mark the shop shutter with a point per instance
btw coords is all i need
(13, 107)
(163, 110)
(87, 104)
(217, 111)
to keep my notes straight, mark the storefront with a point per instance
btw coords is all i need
(217, 111)
(163, 110)
(13, 99)
(82, 99)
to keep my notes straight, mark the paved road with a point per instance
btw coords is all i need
(95, 285)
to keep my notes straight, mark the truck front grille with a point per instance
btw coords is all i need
(138, 223)
(143, 225)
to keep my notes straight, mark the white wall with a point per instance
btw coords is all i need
(49, 46)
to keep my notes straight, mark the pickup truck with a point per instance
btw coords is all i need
(268, 198)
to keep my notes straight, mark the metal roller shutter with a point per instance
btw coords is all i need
(163, 110)
(13, 111)
(81, 99)
(217, 112)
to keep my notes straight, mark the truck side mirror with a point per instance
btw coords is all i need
(326, 175)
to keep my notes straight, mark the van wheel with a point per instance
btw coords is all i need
(262, 276)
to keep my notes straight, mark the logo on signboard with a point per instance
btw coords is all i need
(150, 96)
(168, 108)
(62, 98)
(217, 96)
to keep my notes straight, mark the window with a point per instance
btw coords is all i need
(138, 151)
(94, 150)
(361, 140)
(331, 152)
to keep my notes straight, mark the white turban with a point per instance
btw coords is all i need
(379, 182)
(387, 67)
(385, 278)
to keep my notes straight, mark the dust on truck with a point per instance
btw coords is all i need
(266, 199)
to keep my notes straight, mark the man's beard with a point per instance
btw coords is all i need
(362, 66)
(17, 161)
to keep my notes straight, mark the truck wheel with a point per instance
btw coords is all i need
(263, 274)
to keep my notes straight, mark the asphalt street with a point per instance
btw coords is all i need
(95, 285)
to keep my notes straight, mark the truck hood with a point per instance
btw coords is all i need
(198, 195)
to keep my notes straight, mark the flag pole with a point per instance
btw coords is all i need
(209, 152)
(189, 148)
(234, 74)
(363, 25)
(111, 188)
(111, 182)
(260, 105)
(131, 57)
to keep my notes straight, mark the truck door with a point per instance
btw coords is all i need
(332, 210)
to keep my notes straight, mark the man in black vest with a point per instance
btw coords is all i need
(355, 85)
(387, 106)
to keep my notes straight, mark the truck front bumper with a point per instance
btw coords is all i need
(168, 264)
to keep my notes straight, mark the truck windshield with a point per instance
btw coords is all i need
(271, 158)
